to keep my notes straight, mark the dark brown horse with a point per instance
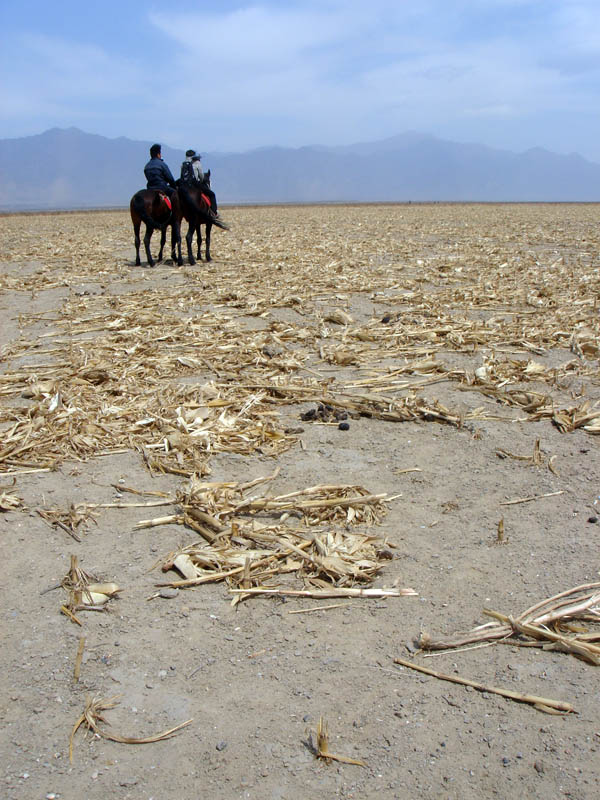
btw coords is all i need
(156, 210)
(195, 207)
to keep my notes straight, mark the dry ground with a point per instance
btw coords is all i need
(462, 341)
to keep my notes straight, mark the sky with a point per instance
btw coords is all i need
(230, 76)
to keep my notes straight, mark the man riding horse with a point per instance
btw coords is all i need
(158, 208)
(193, 176)
(158, 174)
(166, 202)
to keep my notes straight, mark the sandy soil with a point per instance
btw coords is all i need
(256, 678)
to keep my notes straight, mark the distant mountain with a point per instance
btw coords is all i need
(67, 168)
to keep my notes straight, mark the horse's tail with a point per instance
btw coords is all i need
(200, 207)
(138, 204)
(216, 220)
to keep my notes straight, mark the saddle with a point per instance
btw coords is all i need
(166, 199)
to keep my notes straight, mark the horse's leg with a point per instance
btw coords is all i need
(147, 238)
(136, 234)
(189, 238)
(199, 240)
(207, 245)
(176, 242)
(163, 239)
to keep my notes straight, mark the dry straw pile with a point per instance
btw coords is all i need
(309, 316)
(346, 311)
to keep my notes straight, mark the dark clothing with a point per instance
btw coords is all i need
(211, 196)
(159, 176)
(191, 172)
(204, 185)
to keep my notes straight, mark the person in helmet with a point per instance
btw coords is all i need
(157, 173)
(191, 171)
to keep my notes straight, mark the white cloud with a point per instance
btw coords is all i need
(49, 74)
(254, 37)
(327, 71)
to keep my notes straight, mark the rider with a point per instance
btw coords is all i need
(193, 175)
(191, 171)
(158, 174)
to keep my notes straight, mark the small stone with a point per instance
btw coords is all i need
(221, 746)
(168, 592)
(344, 426)
(592, 519)
(539, 767)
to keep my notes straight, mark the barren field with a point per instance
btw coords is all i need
(335, 446)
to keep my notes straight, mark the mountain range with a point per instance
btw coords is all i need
(70, 169)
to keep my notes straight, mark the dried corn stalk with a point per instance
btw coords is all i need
(251, 552)
(71, 520)
(8, 502)
(86, 593)
(242, 549)
(93, 720)
(323, 750)
(548, 624)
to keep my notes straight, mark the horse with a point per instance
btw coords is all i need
(195, 207)
(156, 210)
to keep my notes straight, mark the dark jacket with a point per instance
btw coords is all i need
(158, 174)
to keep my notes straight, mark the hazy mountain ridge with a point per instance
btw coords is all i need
(67, 168)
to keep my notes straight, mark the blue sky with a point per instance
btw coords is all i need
(231, 75)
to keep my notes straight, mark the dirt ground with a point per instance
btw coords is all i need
(512, 291)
